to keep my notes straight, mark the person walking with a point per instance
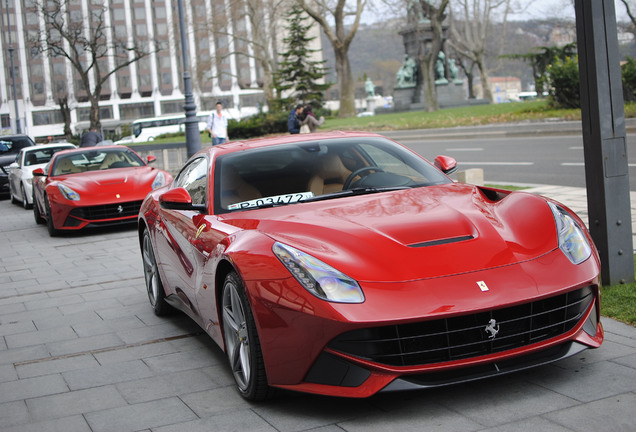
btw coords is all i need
(91, 138)
(293, 121)
(217, 125)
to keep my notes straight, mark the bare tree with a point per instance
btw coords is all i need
(86, 45)
(628, 10)
(340, 12)
(471, 29)
(264, 16)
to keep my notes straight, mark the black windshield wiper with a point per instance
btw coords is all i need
(354, 192)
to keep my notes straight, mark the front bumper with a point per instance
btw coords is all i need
(71, 217)
(297, 331)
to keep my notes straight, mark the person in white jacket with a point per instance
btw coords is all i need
(217, 125)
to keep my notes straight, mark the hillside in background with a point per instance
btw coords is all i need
(377, 50)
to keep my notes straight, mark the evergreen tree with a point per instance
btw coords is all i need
(297, 72)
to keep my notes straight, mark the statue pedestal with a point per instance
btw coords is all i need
(451, 94)
(371, 103)
(403, 98)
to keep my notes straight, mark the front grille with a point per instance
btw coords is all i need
(108, 211)
(466, 336)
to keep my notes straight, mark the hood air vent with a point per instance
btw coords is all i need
(442, 241)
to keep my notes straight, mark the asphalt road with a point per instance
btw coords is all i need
(549, 159)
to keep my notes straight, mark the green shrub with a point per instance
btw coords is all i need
(258, 125)
(628, 71)
(564, 83)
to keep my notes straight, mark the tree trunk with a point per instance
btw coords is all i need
(95, 122)
(66, 116)
(347, 85)
(485, 80)
(429, 91)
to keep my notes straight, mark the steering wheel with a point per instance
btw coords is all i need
(357, 172)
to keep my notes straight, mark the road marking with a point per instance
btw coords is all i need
(632, 165)
(576, 148)
(498, 163)
(460, 149)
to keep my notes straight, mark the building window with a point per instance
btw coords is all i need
(84, 114)
(43, 118)
(135, 111)
(172, 107)
(5, 121)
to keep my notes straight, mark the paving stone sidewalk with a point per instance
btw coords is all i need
(81, 350)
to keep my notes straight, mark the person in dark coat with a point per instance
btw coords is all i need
(293, 121)
(91, 138)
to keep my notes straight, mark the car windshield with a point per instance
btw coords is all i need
(41, 155)
(13, 144)
(317, 170)
(94, 159)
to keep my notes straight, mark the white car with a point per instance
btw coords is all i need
(21, 171)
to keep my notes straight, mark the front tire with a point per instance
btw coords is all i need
(36, 212)
(156, 293)
(49, 219)
(25, 201)
(242, 345)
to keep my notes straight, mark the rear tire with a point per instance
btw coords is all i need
(154, 287)
(242, 345)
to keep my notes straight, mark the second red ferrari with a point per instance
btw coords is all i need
(94, 186)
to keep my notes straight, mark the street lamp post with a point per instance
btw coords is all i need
(18, 129)
(193, 136)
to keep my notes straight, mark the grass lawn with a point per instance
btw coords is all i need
(444, 118)
(619, 302)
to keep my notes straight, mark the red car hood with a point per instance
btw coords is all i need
(130, 183)
(413, 234)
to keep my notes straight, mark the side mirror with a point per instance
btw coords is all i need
(39, 172)
(446, 164)
(179, 199)
(13, 165)
(150, 159)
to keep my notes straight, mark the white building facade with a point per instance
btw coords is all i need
(222, 67)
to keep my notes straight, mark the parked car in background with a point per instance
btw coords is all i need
(93, 186)
(345, 264)
(21, 170)
(10, 145)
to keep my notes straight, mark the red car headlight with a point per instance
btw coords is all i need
(68, 193)
(320, 279)
(572, 241)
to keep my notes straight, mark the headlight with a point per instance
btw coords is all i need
(320, 279)
(572, 241)
(68, 193)
(159, 181)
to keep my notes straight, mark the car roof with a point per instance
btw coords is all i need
(44, 146)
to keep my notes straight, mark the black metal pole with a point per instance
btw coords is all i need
(193, 136)
(605, 150)
(18, 128)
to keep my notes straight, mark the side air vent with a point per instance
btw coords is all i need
(442, 241)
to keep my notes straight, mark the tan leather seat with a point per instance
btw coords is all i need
(110, 159)
(234, 189)
(330, 176)
(66, 166)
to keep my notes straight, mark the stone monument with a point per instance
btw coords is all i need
(408, 90)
